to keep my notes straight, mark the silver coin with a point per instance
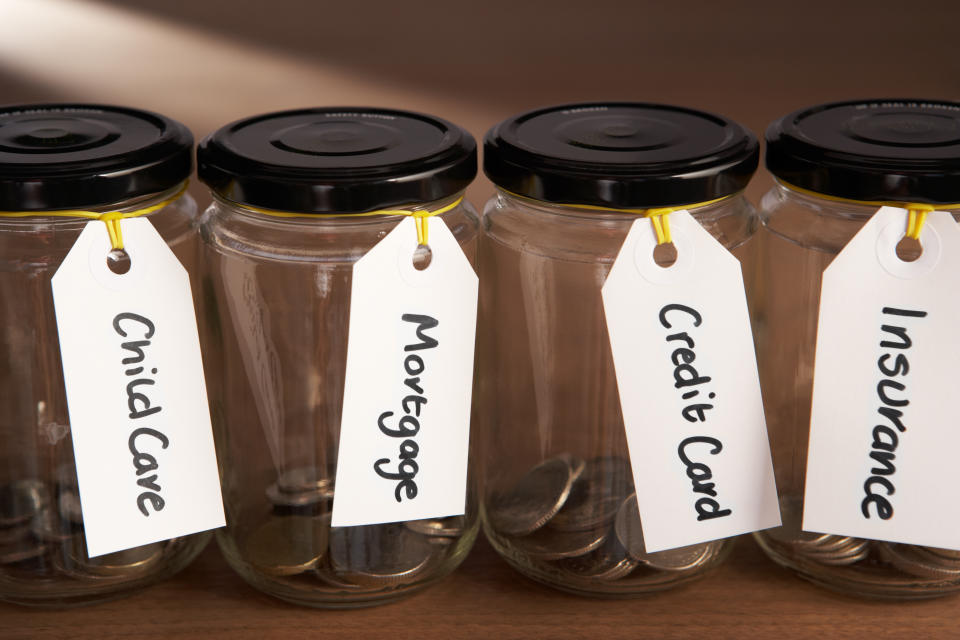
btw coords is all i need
(904, 558)
(306, 480)
(378, 556)
(20, 501)
(535, 498)
(948, 555)
(630, 534)
(451, 527)
(609, 562)
(550, 544)
(596, 496)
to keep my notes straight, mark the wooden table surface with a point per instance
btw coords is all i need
(748, 597)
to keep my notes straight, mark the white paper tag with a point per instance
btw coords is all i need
(404, 434)
(689, 389)
(136, 395)
(883, 432)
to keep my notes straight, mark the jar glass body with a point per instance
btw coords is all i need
(548, 393)
(801, 236)
(277, 303)
(43, 559)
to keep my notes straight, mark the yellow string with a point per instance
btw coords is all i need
(110, 218)
(420, 216)
(916, 211)
(659, 216)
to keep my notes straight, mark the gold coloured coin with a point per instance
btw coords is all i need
(119, 564)
(451, 527)
(287, 545)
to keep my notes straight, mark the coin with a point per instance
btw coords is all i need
(301, 486)
(535, 498)
(451, 527)
(630, 534)
(905, 558)
(20, 500)
(287, 545)
(550, 544)
(378, 556)
(608, 562)
(118, 564)
(596, 495)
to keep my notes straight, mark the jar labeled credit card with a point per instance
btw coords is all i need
(61, 167)
(340, 310)
(581, 299)
(856, 333)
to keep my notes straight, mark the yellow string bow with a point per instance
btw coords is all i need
(916, 211)
(110, 218)
(420, 216)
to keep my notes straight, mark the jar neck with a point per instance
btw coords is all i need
(252, 213)
(705, 210)
(839, 207)
(175, 194)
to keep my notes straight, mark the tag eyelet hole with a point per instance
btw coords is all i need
(118, 261)
(909, 249)
(422, 257)
(665, 255)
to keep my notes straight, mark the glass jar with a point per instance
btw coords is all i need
(834, 164)
(558, 490)
(56, 157)
(280, 241)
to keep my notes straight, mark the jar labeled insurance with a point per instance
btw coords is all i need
(306, 203)
(559, 495)
(60, 167)
(872, 523)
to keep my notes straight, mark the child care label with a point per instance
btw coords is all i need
(883, 432)
(689, 389)
(136, 395)
(406, 403)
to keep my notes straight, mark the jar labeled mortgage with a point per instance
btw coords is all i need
(835, 166)
(62, 166)
(559, 496)
(299, 198)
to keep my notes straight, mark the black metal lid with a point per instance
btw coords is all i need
(67, 156)
(337, 160)
(895, 150)
(620, 154)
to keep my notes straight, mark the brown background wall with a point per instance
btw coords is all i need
(207, 62)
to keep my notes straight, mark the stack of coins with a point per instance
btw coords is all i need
(581, 518)
(20, 503)
(41, 533)
(296, 540)
(923, 562)
(876, 558)
(817, 547)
